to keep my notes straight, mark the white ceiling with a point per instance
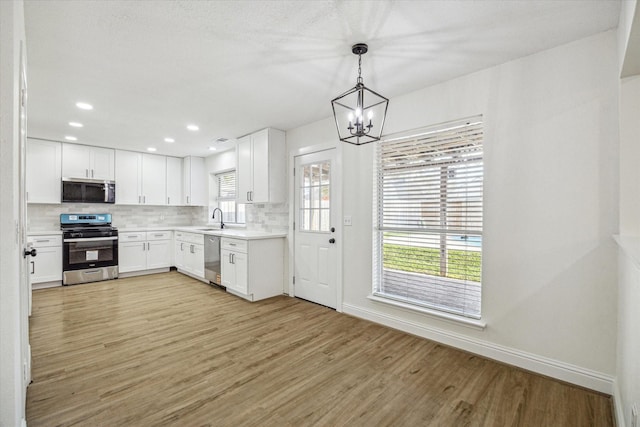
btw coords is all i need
(233, 67)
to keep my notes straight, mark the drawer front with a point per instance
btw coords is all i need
(235, 245)
(132, 236)
(158, 235)
(46, 241)
(196, 238)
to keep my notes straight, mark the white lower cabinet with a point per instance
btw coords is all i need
(189, 253)
(253, 269)
(139, 251)
(46, 266)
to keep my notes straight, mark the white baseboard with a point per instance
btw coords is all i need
(142, 272)
(618, 405)
(45, 285)
(553, 368)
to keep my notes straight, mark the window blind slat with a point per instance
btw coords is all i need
(429, 190)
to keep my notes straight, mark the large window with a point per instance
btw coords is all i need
(428, 242)
(232, 212)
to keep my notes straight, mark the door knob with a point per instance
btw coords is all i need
(332, 240)
(333, 229)
(31, 252)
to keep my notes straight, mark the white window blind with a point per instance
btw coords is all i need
(231, 212)
(428, 243)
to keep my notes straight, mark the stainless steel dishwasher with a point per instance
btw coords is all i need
(212, 259)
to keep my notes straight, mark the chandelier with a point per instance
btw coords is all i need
(359, 112)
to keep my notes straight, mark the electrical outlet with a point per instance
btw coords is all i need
(346, 220)
(161, 217)
(634, 415)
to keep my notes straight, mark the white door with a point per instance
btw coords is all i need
(25, 276)
(316, 228)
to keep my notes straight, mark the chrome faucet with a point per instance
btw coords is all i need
(214, 217)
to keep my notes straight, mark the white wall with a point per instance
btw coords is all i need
(12, 392)
(551, 158)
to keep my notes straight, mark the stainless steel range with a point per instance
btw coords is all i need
(90, 248)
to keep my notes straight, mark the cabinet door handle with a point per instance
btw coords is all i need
(42, 241)
(248, 199)
(181, 248)
(168, 200)
(144, 200)
(27, 196)
(92, 173)
(139, 199)
(148, 246)
(33, 267)
(86, 173)
(143, 245)
(192, 251)
(187, 199)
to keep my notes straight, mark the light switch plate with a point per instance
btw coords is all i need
(346, 220)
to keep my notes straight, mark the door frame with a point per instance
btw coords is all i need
(336, 201)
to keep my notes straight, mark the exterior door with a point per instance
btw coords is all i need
(316, 228)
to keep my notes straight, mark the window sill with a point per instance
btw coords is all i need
(440, 315)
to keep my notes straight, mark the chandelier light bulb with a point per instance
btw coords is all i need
(370, 114)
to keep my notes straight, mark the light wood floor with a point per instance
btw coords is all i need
(168, 350)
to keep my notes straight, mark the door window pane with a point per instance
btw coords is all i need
(315, 197)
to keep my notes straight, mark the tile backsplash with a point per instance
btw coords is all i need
(46, 217)
(268, 217)
(260, 217)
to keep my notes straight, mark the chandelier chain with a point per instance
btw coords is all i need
(359, 68)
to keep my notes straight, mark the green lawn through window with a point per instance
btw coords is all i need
(464, 265)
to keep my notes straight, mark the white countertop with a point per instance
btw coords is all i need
(235, 233)
(213, 231)
(44, 233)
(232, 232)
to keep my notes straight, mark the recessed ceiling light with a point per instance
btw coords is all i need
(169, 140)
(212, 148)
(84, 106)
(70, 138)
(76, 124)
(151, 148)
(193, 127)
(221, 140)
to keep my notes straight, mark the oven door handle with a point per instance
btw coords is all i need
(90, 239)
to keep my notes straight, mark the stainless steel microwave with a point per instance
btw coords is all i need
(76, 190)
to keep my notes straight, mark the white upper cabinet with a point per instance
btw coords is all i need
(128, 178)
(194, 182)
(85, 162)
(43, 171)
(261, 167)
(154, 179)
(174, 181)
(140, 178)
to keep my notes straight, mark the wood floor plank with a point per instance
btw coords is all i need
(169, 350)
